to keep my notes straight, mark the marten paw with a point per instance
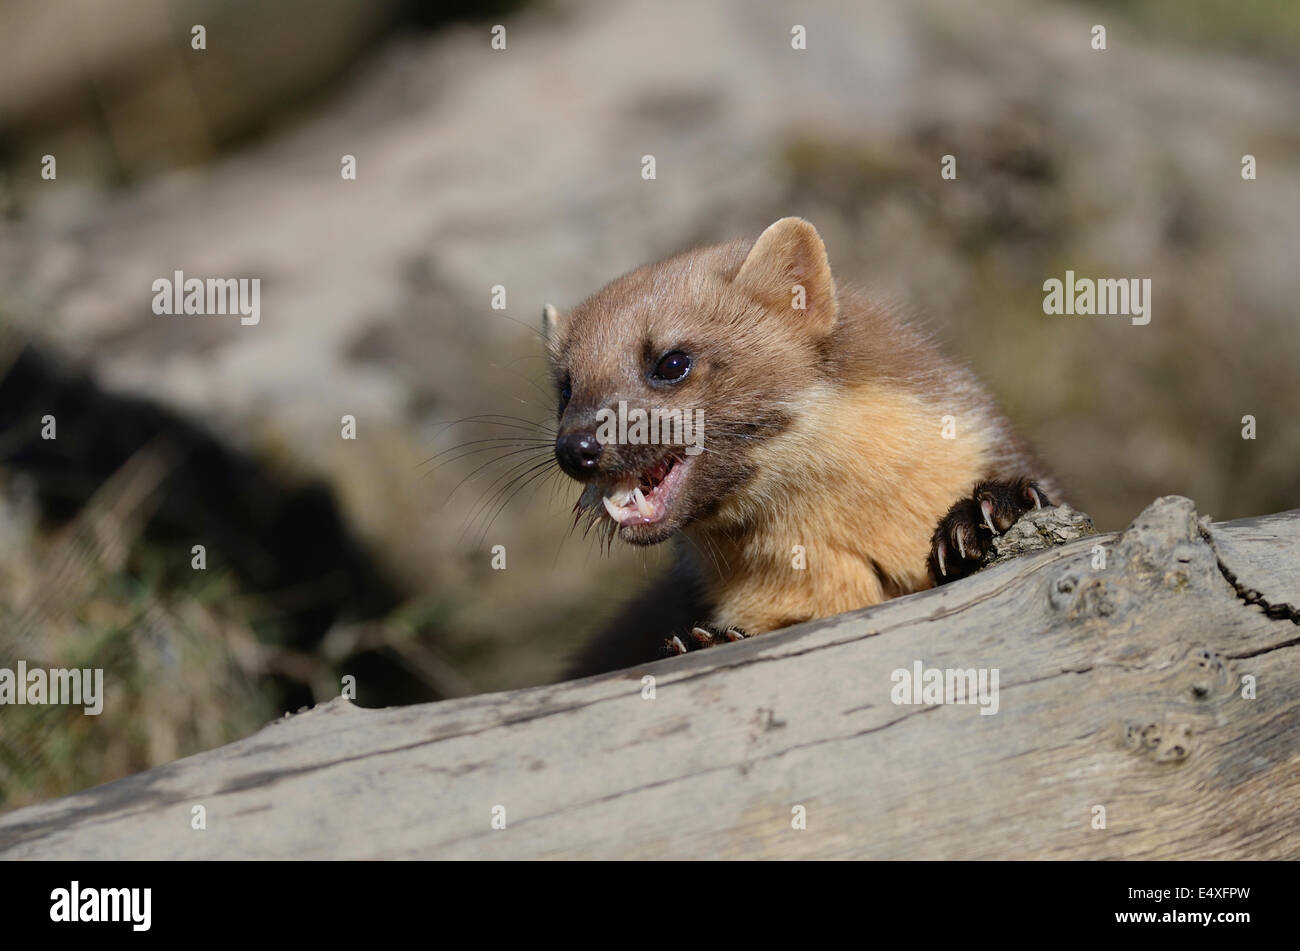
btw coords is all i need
(966, 532)
(700, 638)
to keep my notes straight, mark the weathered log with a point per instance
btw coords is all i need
(1125, 694)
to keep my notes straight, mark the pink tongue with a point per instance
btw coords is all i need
(658, 477)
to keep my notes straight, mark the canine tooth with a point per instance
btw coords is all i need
(642, 504)
(613, 510)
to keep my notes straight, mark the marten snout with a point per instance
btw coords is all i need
(578, 453)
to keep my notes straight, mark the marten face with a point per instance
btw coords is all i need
(671, 376)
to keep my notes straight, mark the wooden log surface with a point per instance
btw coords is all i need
(1120, 689)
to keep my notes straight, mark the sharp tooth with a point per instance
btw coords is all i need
(642, 504)
(613, 510)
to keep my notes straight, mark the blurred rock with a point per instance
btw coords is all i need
(116, 90)
(521, 168)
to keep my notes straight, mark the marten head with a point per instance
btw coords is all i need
(670, 377)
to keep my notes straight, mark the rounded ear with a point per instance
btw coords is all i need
(787, 269)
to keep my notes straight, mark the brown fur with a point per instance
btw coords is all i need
(822, 425)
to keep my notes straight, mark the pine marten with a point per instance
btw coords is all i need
(842, 460)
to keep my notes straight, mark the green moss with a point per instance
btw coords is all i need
(1269, 27)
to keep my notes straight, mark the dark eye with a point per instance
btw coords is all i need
(566, 390)
(673, 367)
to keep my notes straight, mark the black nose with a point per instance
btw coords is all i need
(578, 453)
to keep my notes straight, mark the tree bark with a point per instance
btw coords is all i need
(1147, 708)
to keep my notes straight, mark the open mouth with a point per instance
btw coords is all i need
(645, 499)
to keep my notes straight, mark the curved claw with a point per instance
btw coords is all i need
(986, 509)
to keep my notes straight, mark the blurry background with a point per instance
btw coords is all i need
(521, 168)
